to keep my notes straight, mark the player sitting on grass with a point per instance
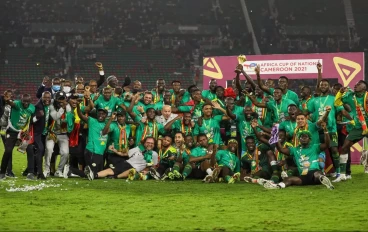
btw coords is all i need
(140, 158)
(167, 155)
(228, 164)
(201, 159)
(184, 150)
(255, 162)
(306, 157)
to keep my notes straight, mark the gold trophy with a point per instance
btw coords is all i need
(99, 66)
(241, 60)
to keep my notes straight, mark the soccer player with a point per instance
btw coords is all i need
(183, 124)
(140, 158)
(96, 146)
(20, 117)
(283, 85)
(183, 145)
(210, 94)
(167, 155)
(254, 160)
(269, 114)
(158, 92)
(178, 95)
(317, 108)
(243, 121)
(359, 112)
(201, 159)
(147, 125)
(210, 125)
(194, 106)
(306, 156)
(119, 134)
(228, 164)
(108, 102)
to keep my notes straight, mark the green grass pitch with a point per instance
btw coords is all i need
(116, 205)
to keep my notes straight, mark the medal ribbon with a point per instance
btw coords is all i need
(122, 138)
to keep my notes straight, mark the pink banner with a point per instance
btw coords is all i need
(348, 68)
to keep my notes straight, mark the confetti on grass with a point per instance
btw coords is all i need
(27, 188)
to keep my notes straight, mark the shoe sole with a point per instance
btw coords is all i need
(154, 174)
(326, 182)
(248, 179)
(208, 179)
(88, 174)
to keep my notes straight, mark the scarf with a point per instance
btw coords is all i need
(146, 128)
(74, 135)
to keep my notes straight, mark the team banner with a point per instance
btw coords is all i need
(345, 68)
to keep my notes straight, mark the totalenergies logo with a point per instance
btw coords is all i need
(249, 66)
(211, 68)
(347, 69)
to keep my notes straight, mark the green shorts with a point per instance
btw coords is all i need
(333, 139)
(355, 135)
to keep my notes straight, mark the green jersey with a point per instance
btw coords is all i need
(312, 128)
(20, 117)
(255, 161)
(157, 97)
(198, 152)
(222, 105)
(165, 155)
(210, 127)
(148, 129)
(144, 106)
(196, 110)
(289, 127)
(291, 95)
(317, 108)
(185, 98)
(110, 105)
(306, 159)
(304, 103)
(208, 94)
(282, 108)
(178, 126)
(269, 115)
(245, 129)
(349, 98)
(96, 141)
(119, 136)
(228, 159)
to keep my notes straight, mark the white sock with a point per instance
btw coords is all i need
(281, 184)
(209, 171)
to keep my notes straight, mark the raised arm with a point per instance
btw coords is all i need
(254, 100)
(262, 86)
(325, 145)
(283, 150)
(106, 129)
(168, 126)
(249, 79)
(80, 115)
(259, 136)
(319, 77)
(324, 116)
(102, 74)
